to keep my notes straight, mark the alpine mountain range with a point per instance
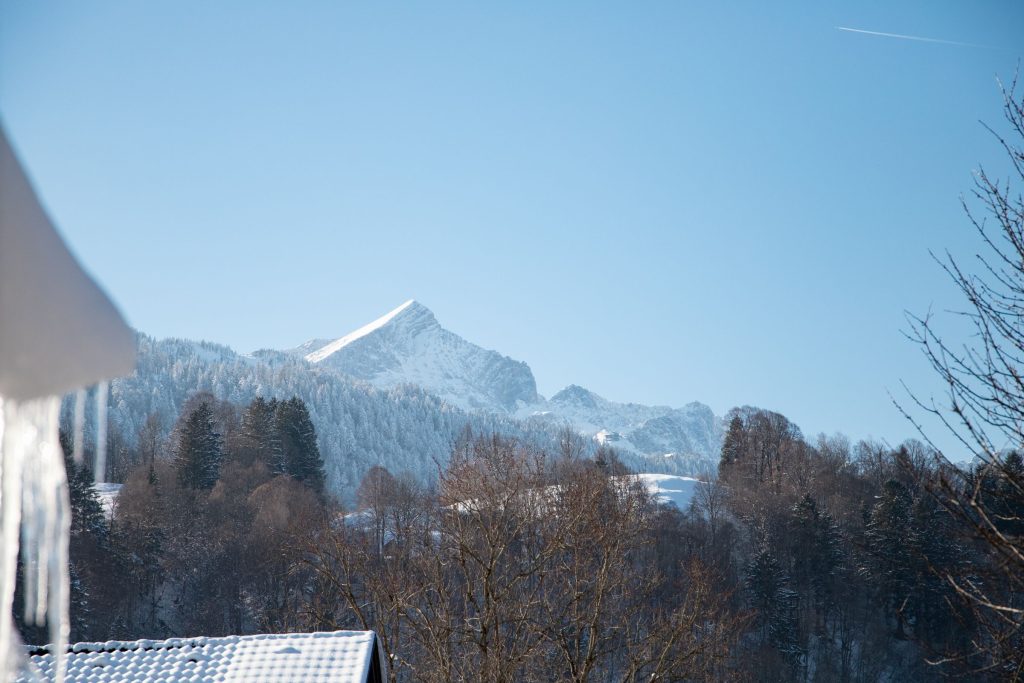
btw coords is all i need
(398, 392)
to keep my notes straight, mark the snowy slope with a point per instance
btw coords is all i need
(409, 346)
(107, 493)
(686, 439)
(306, 348)
(670, 488)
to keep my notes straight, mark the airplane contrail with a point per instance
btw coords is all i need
(917, 38)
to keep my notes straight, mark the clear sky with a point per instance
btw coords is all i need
(664, 202)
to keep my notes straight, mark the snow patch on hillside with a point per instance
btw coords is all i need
(670, 488)
(107, 494)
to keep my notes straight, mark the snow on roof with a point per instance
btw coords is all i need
(58, 330)
(339, 657)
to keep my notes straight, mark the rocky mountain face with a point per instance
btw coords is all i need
(685, 440)
(409, 346)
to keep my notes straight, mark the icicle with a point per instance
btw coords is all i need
(10, 521)
(100, 471)
(79, 433)
(35, 498)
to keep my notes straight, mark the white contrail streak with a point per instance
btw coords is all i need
(906, 37)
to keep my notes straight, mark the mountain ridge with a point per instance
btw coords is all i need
(408, 345)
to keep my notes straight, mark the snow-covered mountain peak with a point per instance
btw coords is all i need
(409, 346)
(411, 314)
(577, 396)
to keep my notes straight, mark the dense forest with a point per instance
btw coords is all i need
(803, 560)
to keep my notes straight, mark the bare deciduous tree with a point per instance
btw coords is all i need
(984, 382)
(523, 567)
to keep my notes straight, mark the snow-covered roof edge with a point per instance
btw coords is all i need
(361, 648)
(58, 329)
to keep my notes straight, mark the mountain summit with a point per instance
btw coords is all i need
(409, 346)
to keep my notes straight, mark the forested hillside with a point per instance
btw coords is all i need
(358, 426)
(804, 560)
(403, 428)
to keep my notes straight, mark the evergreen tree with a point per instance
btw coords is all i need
(260, 439)
(890, 563)
(608, 461)
(87, 514)
(89, 541)
(199, 450)
(775, 603)
(817, 552)
(1001, 492)
(732, 444)
(300, 452)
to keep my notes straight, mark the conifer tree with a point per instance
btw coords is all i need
(732, 444)
(199, 450)
(90, 535)
(775, 603)
(609, 462)
(260, 439)
(301, 455)
(1000, 492)
(889, 539)
(817, 555)
(937, 554)
(86, 510)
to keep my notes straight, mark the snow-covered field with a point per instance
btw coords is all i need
(670, 488)
(107, 493)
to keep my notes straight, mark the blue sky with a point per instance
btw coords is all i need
(664, 202)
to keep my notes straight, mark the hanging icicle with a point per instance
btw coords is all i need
(100, 464)
(58, 332)
(35, 510)
(79, 427)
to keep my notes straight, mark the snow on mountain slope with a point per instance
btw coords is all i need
(306, 348)
(686, 439)
(339, 344)
(409, 346)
